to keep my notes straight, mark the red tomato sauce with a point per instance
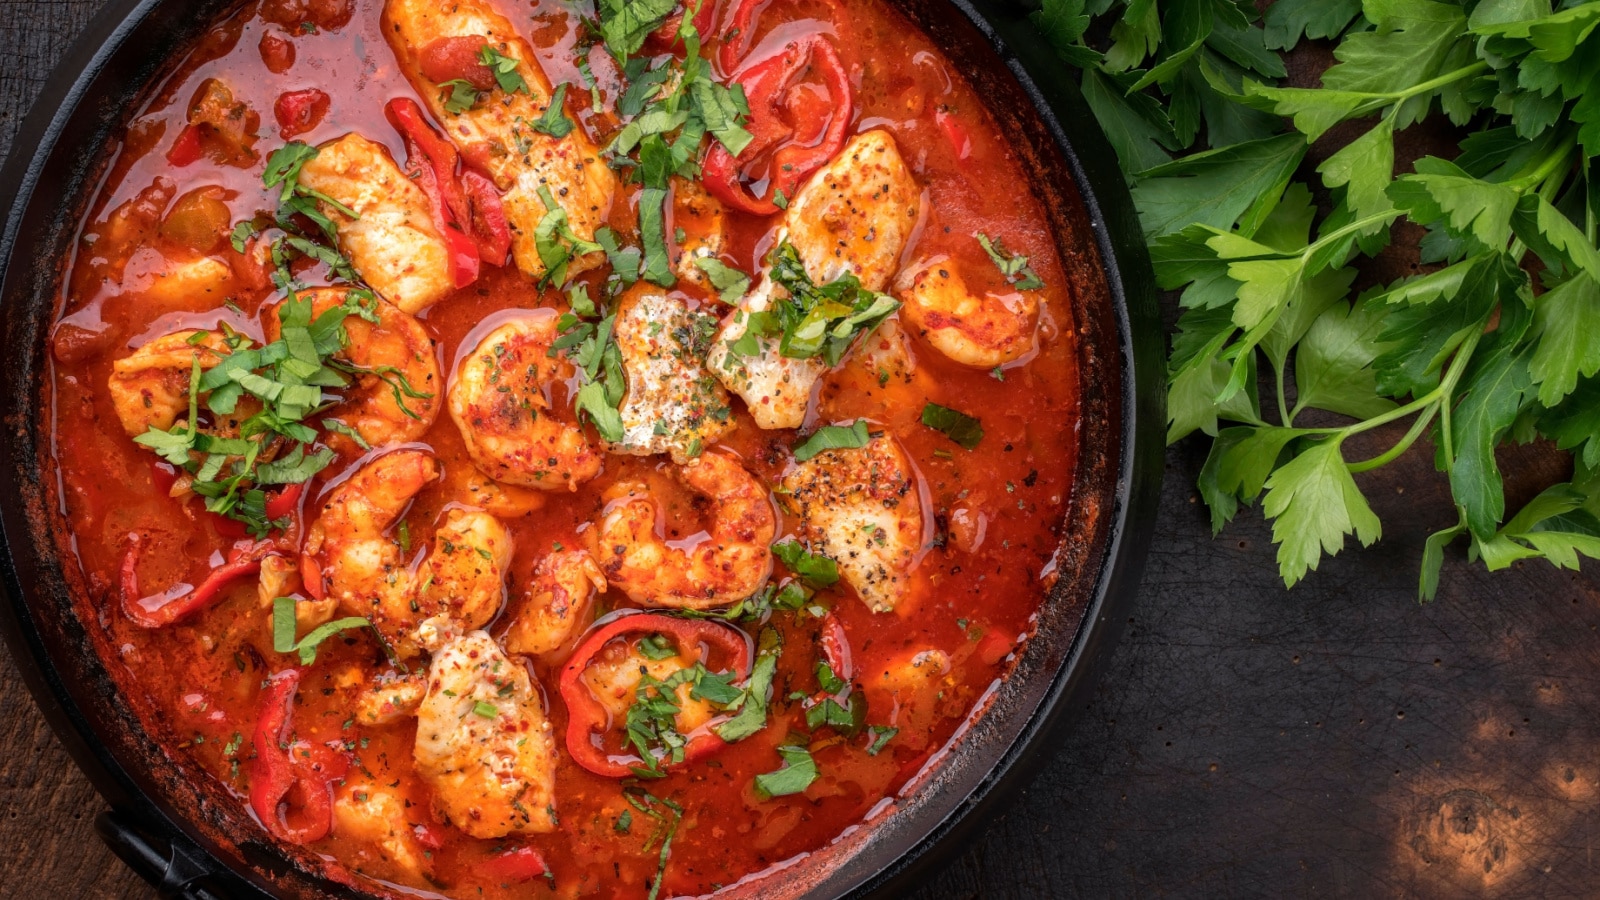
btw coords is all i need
(996, 511)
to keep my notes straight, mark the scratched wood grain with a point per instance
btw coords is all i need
(1338, 739)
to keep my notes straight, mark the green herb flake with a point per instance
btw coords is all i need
(957, 426)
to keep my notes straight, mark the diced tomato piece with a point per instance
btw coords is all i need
(186, 149)
(456, 58)
(300, 111)
(277, 51)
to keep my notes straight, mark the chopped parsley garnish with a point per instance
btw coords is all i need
(815, 320)
(666, 829)
(272, 446)
(829, 681)
(486, 709)
(798, 771)
(657, 647)
(845, 718)
(667, 111)
(752, 714)
(504, 69)
(818, 570)
(834, 437)
(957, 426)
(881, 735)
(556, 242)
(593, 350)
(1014, 266)
(463, 96)
(731, 284)
(283, 631)
(554, 121)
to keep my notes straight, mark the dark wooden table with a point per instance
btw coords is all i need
(1336, 739)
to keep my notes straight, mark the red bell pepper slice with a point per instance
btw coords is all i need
(586, 717)
(489, 225)
(954, 132)
(186, 149)
(291, 784)
(311, 576)
(806, 128)
(515, 866)
(432, 161)
(285, 501)
(158, 610)
(836, 647)
(741, 27)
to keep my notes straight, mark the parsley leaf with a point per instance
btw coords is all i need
(840, 437)
(798, 771)
(957, 426)
(554, 121)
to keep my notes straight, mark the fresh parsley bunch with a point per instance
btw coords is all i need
(1498, 341)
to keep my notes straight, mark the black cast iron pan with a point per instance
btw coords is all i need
(171, 824)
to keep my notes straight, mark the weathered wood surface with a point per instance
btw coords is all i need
(1336, 740)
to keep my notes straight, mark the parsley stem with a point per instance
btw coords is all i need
(1284, 415)
(1404, 444)
(1436, 83)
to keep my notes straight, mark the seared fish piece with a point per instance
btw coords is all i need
(861, 508)
(673, 404)
(854, 215)
(483, 742)
(497, 135)
(394, 244)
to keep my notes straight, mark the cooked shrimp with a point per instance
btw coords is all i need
(557, 603)
(498, 402)
(393, 242)
(854, 215)
(483, 742)
(368, 813)
(861, 508)
(465, 575)
(728, 562)
(394, 396)
(497, 133)
(362, 567)
(150, 387)
(673, 404)
(981, 332)
(390, 698)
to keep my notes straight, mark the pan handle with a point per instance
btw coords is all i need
(176, 873)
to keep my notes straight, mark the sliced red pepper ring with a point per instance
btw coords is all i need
(587, 718)
(291, 784)
(801, 127)
(515, 866)
(741, 26)
(158, 610)
(432, 162)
